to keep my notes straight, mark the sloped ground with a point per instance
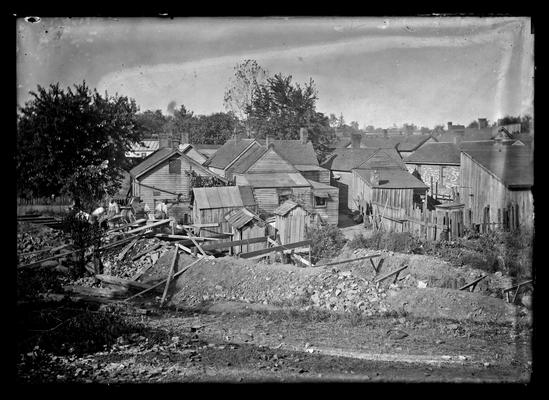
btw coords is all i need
(349, 288)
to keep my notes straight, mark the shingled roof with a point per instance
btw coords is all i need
(228, 152)
(512, 165)
(384, 158)
(435, 153)
(247, 160)
(392, 179)
(347, 159)
(162, 155)
(294, 151)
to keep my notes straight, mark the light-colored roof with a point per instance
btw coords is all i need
(301, 167)
(384, 158)
(276, 179)
(145, 145)
(392, 179)
(240, 217)
(247, 160)
(223, 197)
(347, 159)
(285, 208)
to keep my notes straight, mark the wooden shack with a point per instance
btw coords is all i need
(291, 222)
(166, 175)
(246, 224)
(496, 187)
(387, 196)
(211, 204)
(325, 202)
(450, 216)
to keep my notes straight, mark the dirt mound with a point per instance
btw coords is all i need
(453, 304)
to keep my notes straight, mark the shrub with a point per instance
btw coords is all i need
(326, 241)
(359, 241)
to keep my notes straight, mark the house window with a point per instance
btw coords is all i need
(175, 166)
(320, 202)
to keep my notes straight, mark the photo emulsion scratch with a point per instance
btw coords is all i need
(297, 199)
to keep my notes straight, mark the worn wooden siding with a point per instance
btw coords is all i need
(480, 188)
(250, 231)
(267, 199)
(361, 192)
(212, 215)
(160, 177)
(395, 198)
(317, 176)
(270, 162)
(330, 213)
(291, 227)
(345, 184)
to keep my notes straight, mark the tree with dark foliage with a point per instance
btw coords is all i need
(74, 142)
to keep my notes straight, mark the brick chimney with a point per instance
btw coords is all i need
(482, 123)
(164, 140)
(303, 135)
(450, 126)
(176, 140)
(355, 140)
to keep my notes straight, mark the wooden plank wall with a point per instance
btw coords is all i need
(248, 232)
(481, 189)
(214, 215)
(291, 227)
(330, 213)
(161, 178)
(345, 186)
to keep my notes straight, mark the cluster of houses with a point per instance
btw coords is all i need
(478, 178)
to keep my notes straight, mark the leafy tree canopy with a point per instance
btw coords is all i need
(73, 142)
(280, 108)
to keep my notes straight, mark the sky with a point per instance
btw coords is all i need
(376, 71)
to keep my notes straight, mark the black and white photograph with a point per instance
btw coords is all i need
(274, 199)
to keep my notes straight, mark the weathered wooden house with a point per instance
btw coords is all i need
(325, 202)
(211, 204)
(496, 187)
(291, 222)
(388, 195)
(299, 153)
(438, 166)
(342, 162)
(246, 224)
(166, 174)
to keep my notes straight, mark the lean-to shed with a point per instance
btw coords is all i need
(246, 224)
(211, 204)
(291, 220)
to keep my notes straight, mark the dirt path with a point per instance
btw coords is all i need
(236, 342)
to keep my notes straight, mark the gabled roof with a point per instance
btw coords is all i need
(241, 217)
(276, 179)
(384, 158)
(248, 159)
(162, 155)
(347, 159)
(512, 165)
(223, 197)
(435, 153)
(294, 151)
(412, 142)
(228, 152)
(392, 179)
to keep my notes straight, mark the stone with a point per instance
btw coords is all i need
(527, 301)
(50, 263)
(421, 284)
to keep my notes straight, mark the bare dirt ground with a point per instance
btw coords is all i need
(231, 320)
